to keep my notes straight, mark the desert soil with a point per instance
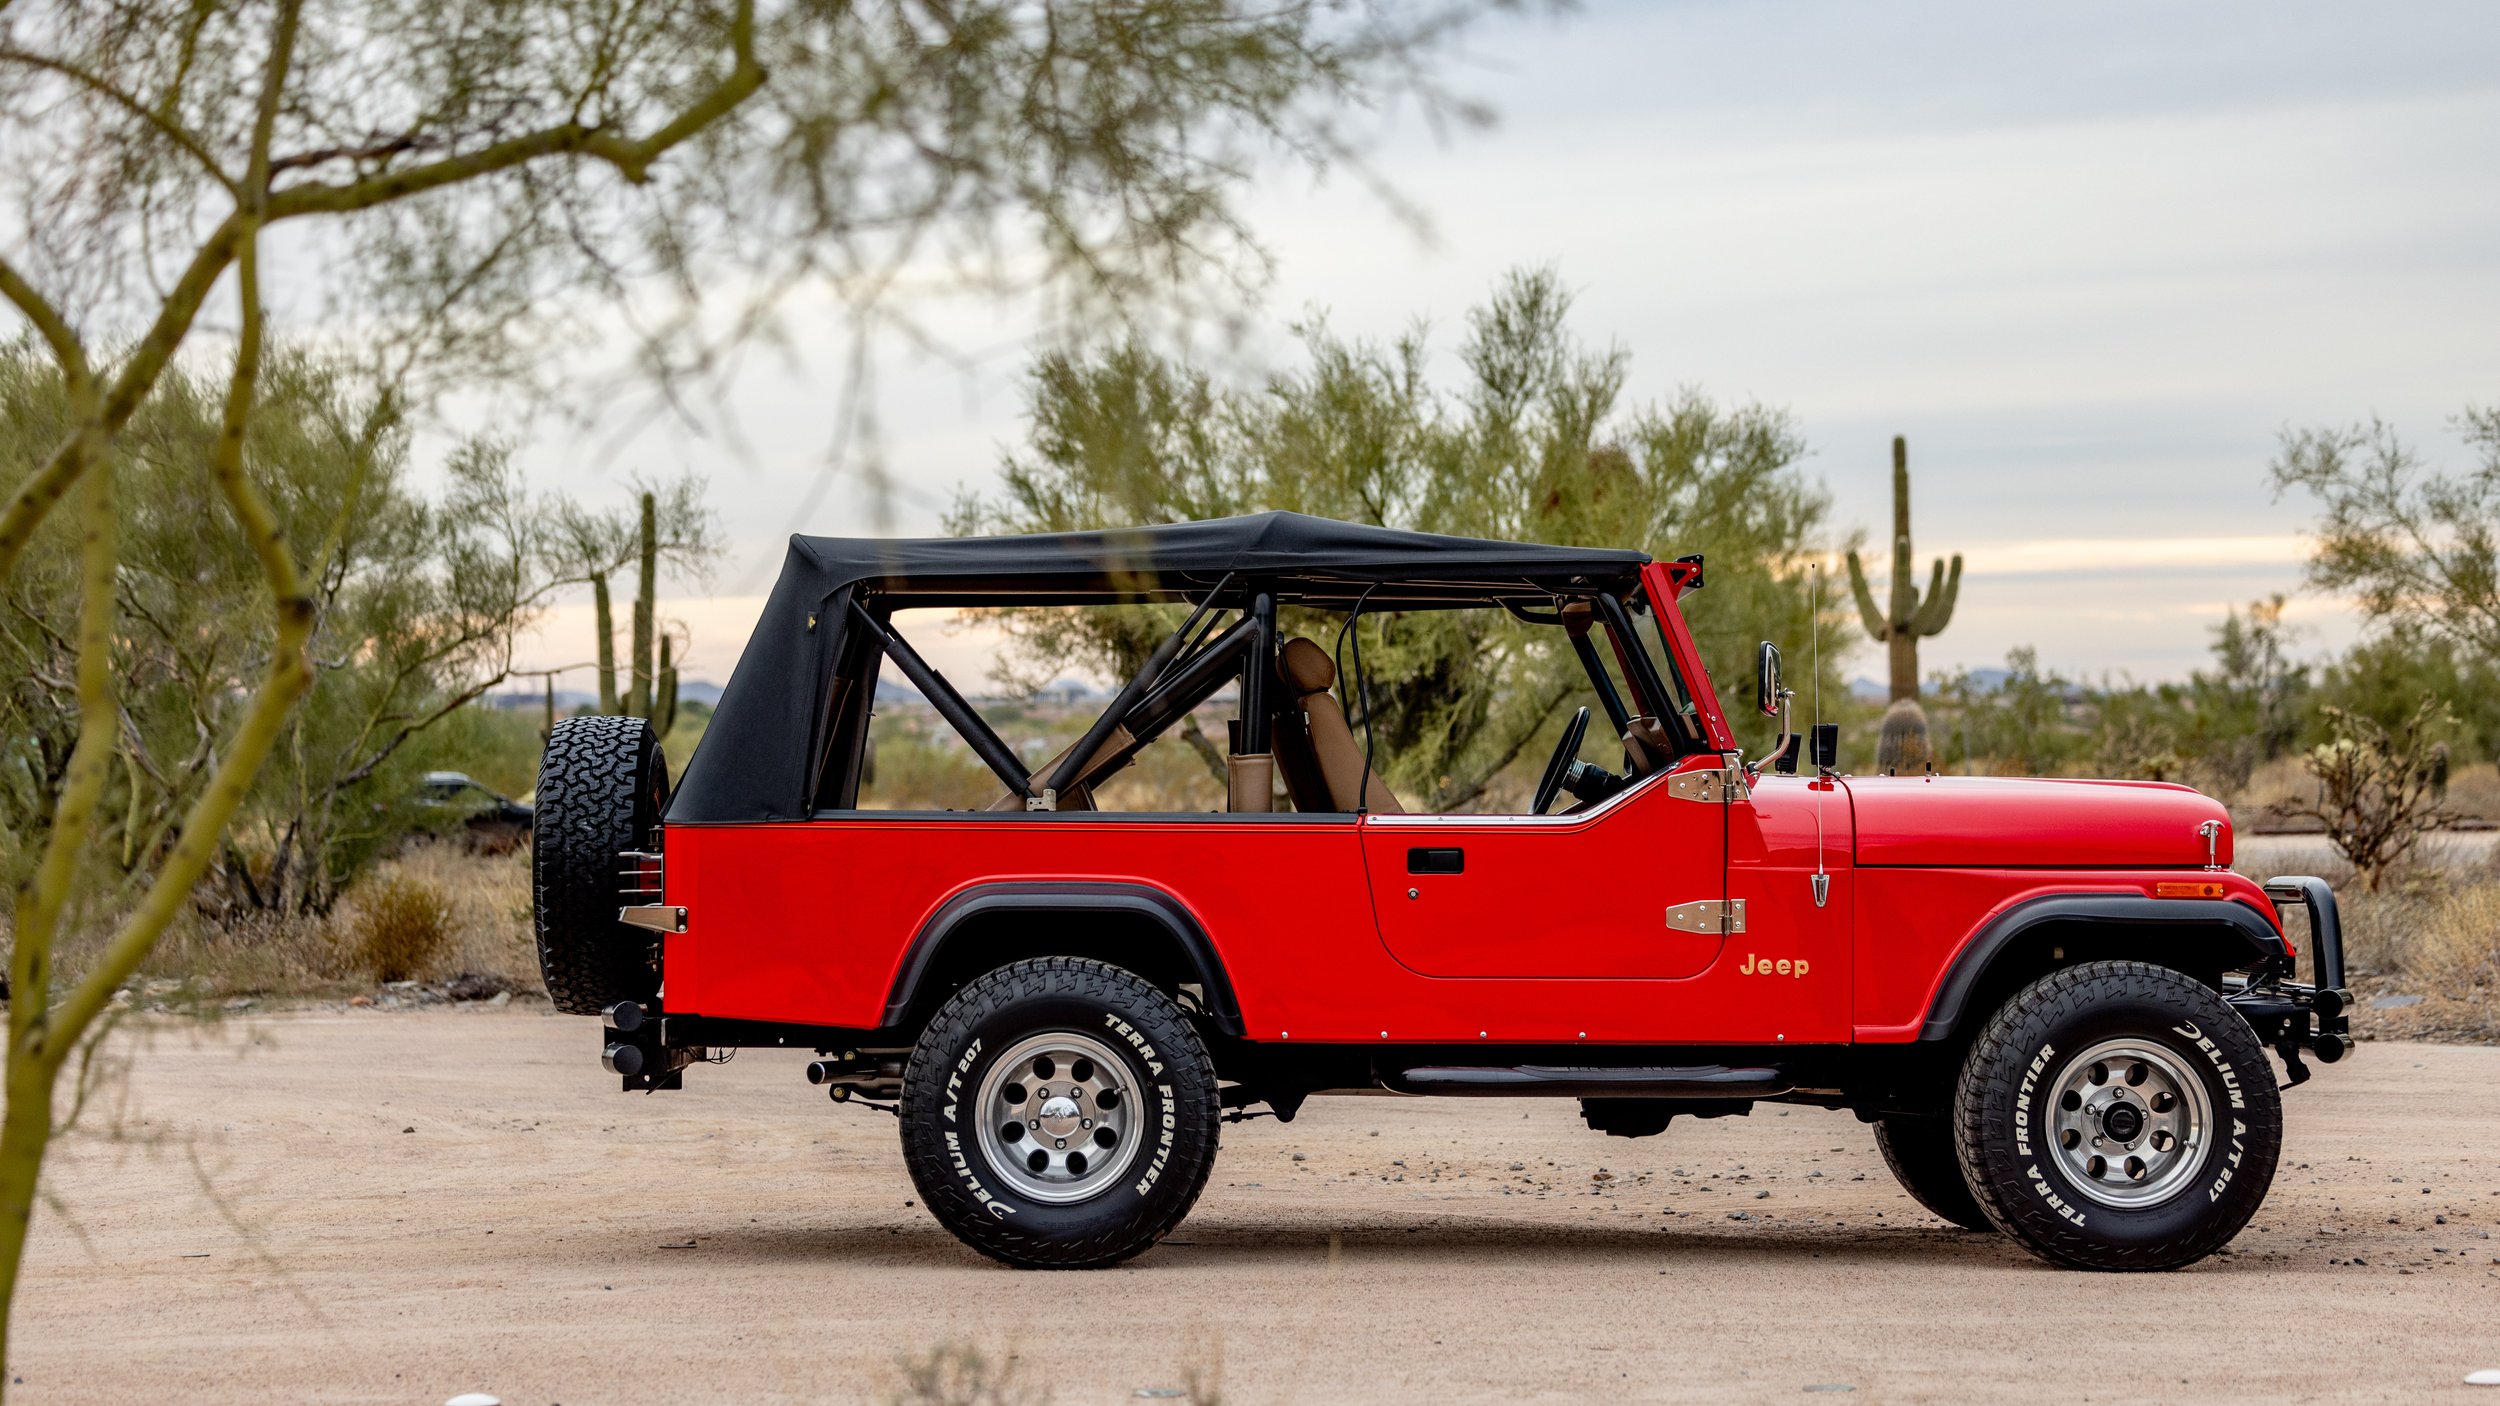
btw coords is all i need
(364, 1206)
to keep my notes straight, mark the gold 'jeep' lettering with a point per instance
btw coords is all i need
(1764, 966)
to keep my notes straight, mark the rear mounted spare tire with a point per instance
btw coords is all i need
(602, 784)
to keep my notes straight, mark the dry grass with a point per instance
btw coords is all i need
(479, 924)
(401, 927)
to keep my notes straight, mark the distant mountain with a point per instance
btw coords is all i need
(1982, 683)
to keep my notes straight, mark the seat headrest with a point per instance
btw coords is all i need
(1306, 667)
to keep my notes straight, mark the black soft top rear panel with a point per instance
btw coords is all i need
(758, 757)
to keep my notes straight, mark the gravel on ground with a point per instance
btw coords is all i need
(402, 1207)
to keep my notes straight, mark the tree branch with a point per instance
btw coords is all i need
(67, 350)
(632, 157)
(165, 126)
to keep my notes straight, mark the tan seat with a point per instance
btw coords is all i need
(1309, 673)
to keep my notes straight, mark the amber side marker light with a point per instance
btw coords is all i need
(2205, 889)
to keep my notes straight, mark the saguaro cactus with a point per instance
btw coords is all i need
(664, 702)
(1912, 614)
(638, 700)
(607, 642)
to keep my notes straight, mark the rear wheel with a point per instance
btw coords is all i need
(602, 784)
(1059, 1113)
(1922, 1157)
(2118, 1115)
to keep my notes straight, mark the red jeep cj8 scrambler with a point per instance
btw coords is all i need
(2051, 998)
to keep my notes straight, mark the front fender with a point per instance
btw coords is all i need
(2222, 933)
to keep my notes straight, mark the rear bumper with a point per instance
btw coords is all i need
(2293, 1017)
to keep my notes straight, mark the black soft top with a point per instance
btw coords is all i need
(759, 757)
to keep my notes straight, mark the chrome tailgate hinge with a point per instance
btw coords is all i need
(1708, 916)
(1715, 786)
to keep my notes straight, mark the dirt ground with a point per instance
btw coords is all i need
(364, 1206)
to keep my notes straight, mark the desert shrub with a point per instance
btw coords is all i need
(2377, 790)
(959, 1374)
(402, 925)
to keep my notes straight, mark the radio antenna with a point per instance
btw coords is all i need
(1822, 780)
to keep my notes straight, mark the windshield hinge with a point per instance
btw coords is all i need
(1047, 800)
(1709, 916)
(1715, 786)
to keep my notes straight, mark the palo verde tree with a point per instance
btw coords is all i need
(2418, 549)
(1533, 443)
(467, 191)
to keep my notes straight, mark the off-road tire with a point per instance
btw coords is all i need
(1167, 1069)
(602, 784)
(2004, 1123)
(1922, 1157)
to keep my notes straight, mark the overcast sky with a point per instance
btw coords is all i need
(2090, 259)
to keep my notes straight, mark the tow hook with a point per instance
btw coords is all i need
(2295, 1073)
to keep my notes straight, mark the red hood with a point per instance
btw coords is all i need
(2010, 822)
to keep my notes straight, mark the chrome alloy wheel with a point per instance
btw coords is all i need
(1056, 1119)
(2131, 1125)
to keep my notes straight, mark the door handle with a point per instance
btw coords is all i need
(1436, 861)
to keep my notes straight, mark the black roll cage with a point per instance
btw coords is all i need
(1183, 672)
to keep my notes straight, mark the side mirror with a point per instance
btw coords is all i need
(1825, 746)
(1768, 695)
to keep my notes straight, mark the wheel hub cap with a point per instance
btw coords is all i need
(2129, 1124)
(1056, 1117)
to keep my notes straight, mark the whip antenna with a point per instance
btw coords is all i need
(1814, 656)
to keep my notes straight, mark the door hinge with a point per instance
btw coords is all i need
(1715, 786)
(659, 917)
(1707, 915)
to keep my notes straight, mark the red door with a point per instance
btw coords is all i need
(1601, 894)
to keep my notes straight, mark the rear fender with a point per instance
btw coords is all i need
(1130, 925)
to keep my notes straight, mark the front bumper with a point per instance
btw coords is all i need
(2292, 1017)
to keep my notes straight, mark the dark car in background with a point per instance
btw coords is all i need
(491, 820)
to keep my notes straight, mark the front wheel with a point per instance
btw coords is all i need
(2117, 1115)
(1059, 1113)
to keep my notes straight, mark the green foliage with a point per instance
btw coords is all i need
(2418, 550)
(1533, 444)
(2387, 675)
(1911, 613)
(416, 603)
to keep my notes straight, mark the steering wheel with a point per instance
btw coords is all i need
(1566, 751)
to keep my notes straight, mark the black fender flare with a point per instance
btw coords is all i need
(1138, 901)
(2023, 922)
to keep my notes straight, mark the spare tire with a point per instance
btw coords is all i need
(602, 784)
